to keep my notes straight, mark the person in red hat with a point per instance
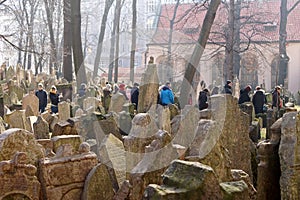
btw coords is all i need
(122, 90)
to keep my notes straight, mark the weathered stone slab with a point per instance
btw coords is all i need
(64, 111)
(16, 119)
(41, 128)
(235, 190)
(64, 128)
(19, 140)
(98, 184)
(164, 116)
(18, 178)
(117, 102)
(73, 140)
(90, 103)
(64, 177)
(112, 154)
(289, 154)
(186, 180)
(148, 91)
(32, 101)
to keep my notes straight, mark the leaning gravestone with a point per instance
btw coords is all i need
(112, 154)
(10, 73)
(148, 89)
(90, 103)
(98, 184)
(32, 101)
(64, 111)
(117, 102)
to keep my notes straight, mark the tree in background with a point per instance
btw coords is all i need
(67, 46)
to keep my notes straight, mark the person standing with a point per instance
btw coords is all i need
(258, 100)
(122, 90)
(244, 95)
(134, 95)
(54, 99)
(166, 95)
(42, 96)
(107, 93)
(227, 87)
(203, 99)
(276, 101)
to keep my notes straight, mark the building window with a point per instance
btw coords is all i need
(151, 6)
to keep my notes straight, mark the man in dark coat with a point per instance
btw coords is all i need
(244, 94)
(258, 100)
(202, 99)
(134, 95)
(42, 96)
(227, 87)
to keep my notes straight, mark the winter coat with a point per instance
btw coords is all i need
(227, 89)
(244, 96)
(42, 96)
(202, 100)
(134, 95)
(166, 96)
(258, 100)
(81, 92)
(276, 99)
(54, 98)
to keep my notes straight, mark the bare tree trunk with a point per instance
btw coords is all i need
(133, 40)
(108, 4)
(237, 39)
(67, 49)
(283, 57)
(53, 60)
(172, 21)
(85, 36)
(228, 65)
(198, 51)
(76, 43)
(117, 21)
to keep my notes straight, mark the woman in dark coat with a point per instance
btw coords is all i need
(203, 99)
(244, 95)
(258, 100)
(54, 98)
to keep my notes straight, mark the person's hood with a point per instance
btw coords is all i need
(165, 88)
(260, 91)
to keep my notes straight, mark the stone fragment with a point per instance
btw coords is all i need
(73, 140)
(64, 111)
(235, 190)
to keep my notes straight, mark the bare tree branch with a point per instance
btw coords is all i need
(293, 7)
(2, 2)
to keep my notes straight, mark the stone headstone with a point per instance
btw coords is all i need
(19, 140)
(112, 154)
(148, 92)
(6, 99)
(41, 128)
(10, 73)
(16, 119)
(13, 98)
(63, 177)
(17, 173)
(32, 101)
(73, 140)
(29, 112)
(235, 190)
(289, 155)
(117, 102)
(64, 128)
(98, 184)
(64, 111)
(90, 103)
(164, 122)
(18, 90)
(125, 122)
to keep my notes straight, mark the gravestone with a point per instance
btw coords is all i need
(10, 73)
(125, 122)
(148, 92)
(29, 112)
(163, 119)
(16, 119)
(73, 140)
(98, 184)
(63, 111)
(41, 128)
(116, 103)
(112, 154)
(13, 98)
(6, 99)
(18, 90)
(19, 140)
(19, 178)
(32, 101)
(1, 106)
(90, 103)
(289, 154)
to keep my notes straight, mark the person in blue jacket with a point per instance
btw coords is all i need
(166, 95)
(42, 96)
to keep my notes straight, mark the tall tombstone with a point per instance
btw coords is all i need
(10, 73)
(41, 128)
(289, 154)
(117, 102)
(148, 89)
(32, 101)
(13, 98)
(64, 111)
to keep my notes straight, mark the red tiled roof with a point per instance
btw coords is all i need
(262, 22)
